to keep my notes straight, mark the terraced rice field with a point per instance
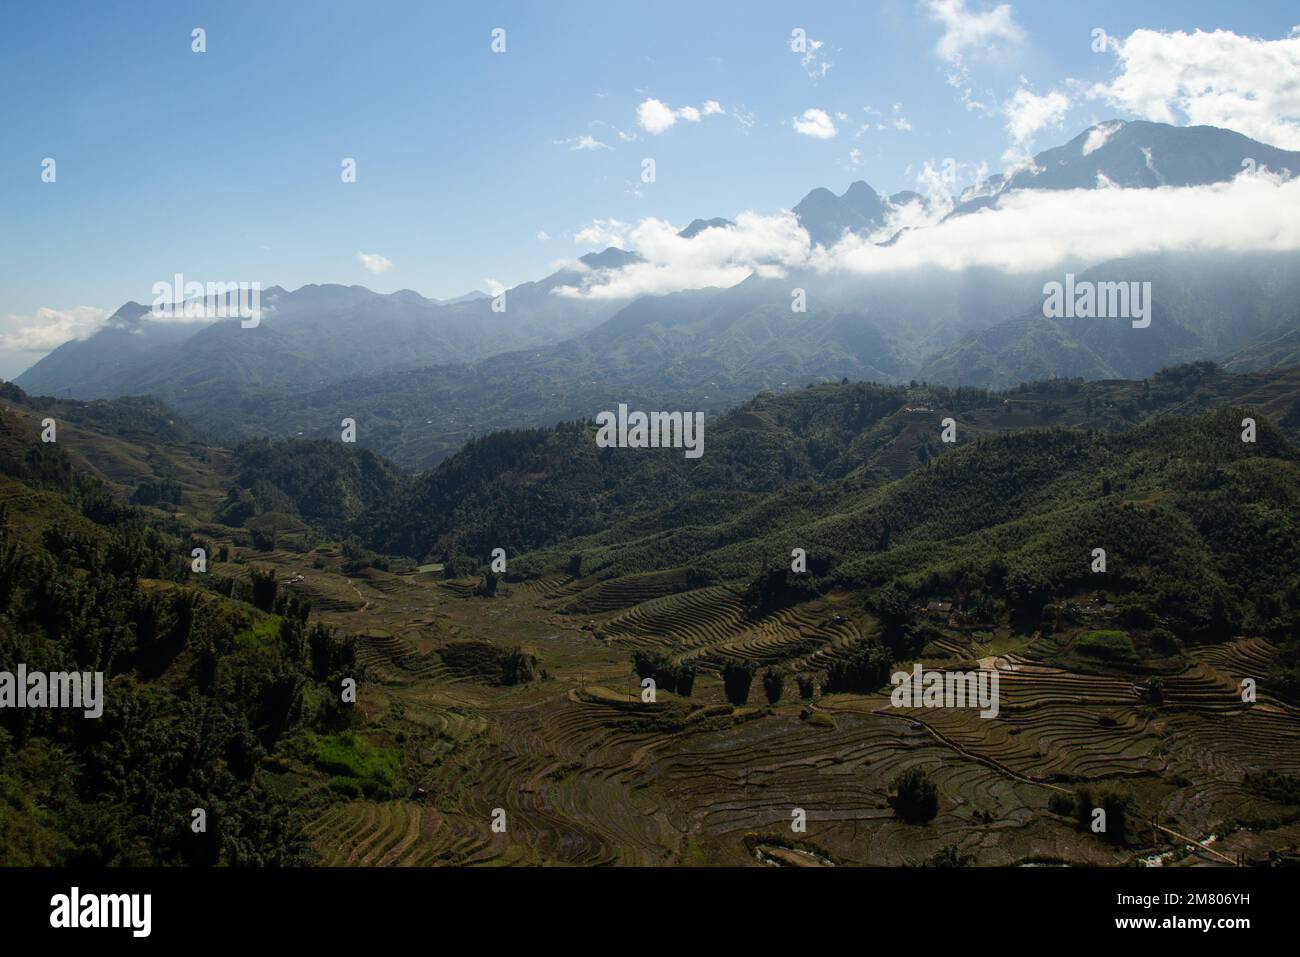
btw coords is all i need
(587, 773)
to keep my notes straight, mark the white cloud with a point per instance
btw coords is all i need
(602, 233)
(814, 59)
(586, 142)
(815, 123)
(543, 236)
(967, 31)
(720, 257)
(1029, 230)
(50, 328)
(656, 116)
(1245, 84)
(1098, 135)
(1039, 229)
(375, 264)
(1027, 113)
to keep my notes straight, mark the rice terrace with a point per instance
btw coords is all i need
(773, 733)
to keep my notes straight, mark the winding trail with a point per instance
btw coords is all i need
(365, 602)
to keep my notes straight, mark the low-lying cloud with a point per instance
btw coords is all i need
(50, 328)
(720, 256)
(1029, 230)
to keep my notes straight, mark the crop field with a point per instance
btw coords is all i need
(575, 768)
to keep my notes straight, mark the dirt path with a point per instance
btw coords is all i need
(365, 602)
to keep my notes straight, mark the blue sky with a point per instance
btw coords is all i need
(225, 165)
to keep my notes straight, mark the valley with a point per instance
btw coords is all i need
(500, 718)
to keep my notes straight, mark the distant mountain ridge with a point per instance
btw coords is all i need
(423, 376)
(312, 335)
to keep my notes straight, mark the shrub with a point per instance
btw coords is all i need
(773, 685)
(1106, 645)
(1062, 804)
(807, 685)
(737, 676)
(915, 799)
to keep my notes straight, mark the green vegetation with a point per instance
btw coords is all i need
(677, 678)
(737, 676)
(1121, 814)
(1107, 645)
(773, 684)
(915, 799)
(224, 689)
(200, 689)
(1275, 785)
(357, 767)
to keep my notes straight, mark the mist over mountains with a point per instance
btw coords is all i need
(421, 376)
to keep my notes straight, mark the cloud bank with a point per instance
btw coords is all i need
(1029, 230)
(50, 328)
(1214, 79)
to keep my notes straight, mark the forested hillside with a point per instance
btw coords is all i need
(204, 678)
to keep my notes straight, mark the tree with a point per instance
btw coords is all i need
(915, 799)
(264, 588)
(685, 679)
(950, 856)
(893, 604)
(773, 685)
(863, 670)
(737, 676)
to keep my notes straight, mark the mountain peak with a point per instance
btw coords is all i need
(859, 189)
(698, 226)
(826, 216)
(609, 258)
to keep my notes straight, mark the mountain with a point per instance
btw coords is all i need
(698, 226)
(1277, 348)
(1136, 154)
(701, 349)
(528, 489)
(421, 377)
(313, 335)
(709, 349)
(826, 216)
(1202, 306)
(472, 296)
(104, 364)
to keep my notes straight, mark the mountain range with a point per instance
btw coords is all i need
(422, 376)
